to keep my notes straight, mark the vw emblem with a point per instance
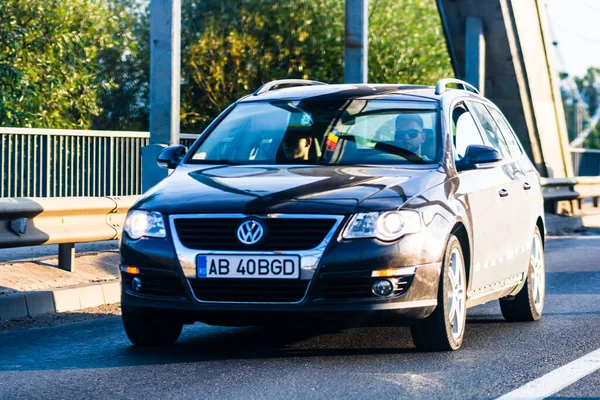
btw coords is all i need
(250, 231)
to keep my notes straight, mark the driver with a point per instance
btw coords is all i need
(409, 133)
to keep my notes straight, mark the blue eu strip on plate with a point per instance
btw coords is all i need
(201, 266)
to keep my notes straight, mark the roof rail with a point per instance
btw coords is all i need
(440, 86)
(294, 82)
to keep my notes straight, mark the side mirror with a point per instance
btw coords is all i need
(171, 156)
(478, 156)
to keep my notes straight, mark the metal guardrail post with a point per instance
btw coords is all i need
(66, 256)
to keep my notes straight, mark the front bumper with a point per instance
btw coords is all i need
(168, 276)
(170, 289)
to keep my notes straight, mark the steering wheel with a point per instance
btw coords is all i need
(398, 151)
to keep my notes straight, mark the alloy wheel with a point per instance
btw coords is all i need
(456, 294)
(538, 273)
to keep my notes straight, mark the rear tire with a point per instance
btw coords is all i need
(444, 329)
(528, 304)
(150, 327)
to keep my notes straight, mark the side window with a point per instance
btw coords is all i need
(465, 131)
(507, 132)
(491, 132)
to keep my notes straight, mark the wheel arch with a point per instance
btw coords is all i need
(460, 231)
(540, 224)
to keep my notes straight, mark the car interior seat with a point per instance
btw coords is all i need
(428, 146)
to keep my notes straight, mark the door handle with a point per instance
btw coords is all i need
(503, 193)
(526, 186)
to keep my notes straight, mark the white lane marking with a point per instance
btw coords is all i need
(555, 381)
(557, 238)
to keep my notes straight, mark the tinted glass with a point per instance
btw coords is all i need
(323, 132)
(466, 131)
(491, 133)
(507, 132)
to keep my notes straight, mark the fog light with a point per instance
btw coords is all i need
(131, 270)
(136, 284)
(383, 288)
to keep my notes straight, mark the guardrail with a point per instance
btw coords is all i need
(577, 188)
(58, 162)
(63, 221)
(69, 220)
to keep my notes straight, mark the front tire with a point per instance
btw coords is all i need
(528, 304)
(150, 328)
(444, 329)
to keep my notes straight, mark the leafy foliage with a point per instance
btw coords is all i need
(85, 63)
(242, 44)
(589, 88)
(239, 45)
(52, 54)
(125, 103)
(406, 43)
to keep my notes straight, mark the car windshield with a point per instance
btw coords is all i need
(323, 132)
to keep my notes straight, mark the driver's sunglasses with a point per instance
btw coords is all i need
(412, 133)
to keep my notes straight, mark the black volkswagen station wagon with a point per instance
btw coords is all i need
(311, 202)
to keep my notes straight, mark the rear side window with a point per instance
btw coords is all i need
(507, 132)
(491, 132)
(465, 131)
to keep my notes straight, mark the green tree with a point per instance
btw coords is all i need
(241, 44)
(589, 87)
(406, 43)
(230, 48)
(53, 59)
(85, 63)
(125, 103)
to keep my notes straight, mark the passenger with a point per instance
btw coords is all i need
(296, 146)
(409, 133)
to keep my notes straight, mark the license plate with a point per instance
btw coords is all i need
(248, 266)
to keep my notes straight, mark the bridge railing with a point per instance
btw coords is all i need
(59, 163)
(586, 162)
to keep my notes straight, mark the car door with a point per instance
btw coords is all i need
(480, 188)
(512, 227)
(527, 192)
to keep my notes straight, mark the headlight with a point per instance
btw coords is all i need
(144, 223)
(386, 226)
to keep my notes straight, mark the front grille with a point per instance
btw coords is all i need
(360, 288)
(280, 233)
(154, 284)
(250, 290)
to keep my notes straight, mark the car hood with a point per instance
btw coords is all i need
(287, 189)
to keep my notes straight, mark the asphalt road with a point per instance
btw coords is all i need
(93, 359)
